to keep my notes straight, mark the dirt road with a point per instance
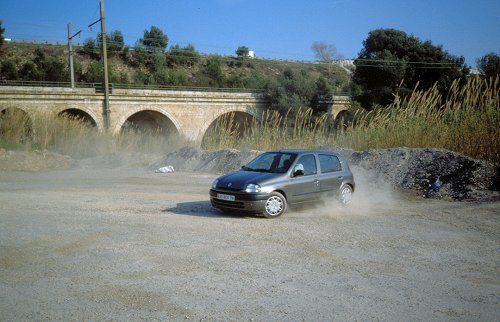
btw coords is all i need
(130, 244)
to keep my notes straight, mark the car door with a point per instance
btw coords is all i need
(304, 187)
(331, 176)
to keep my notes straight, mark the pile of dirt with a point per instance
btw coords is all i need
(221, 161)
(33, 160)
(460, 177)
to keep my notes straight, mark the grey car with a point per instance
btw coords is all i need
(276, 179)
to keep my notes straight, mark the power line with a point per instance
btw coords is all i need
(403, 61)
(375, 63)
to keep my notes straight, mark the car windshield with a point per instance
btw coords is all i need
(274, 162)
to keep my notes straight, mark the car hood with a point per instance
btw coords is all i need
(239, 179)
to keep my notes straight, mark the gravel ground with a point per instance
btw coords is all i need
(130, 244)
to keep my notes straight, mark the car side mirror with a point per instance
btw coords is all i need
(298, 172)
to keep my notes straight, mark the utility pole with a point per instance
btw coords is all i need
(70, 54)
(105, 109)
(105, 62)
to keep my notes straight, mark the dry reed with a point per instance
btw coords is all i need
(75, 137)
(467, 122)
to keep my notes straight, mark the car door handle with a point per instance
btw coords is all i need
(316, 181)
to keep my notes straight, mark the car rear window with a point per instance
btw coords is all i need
(329, 163)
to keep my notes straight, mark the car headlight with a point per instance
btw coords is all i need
(214, 184)
(252, 188)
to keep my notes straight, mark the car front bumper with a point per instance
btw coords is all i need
(245, 202)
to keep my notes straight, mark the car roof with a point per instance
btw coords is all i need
(303, 151)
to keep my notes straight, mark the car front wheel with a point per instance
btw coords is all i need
(345, 195)
(275, 205)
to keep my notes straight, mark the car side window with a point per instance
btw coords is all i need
(308, 163)
(329, 163)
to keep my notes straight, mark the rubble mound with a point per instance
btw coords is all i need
(221, 161)
(459, 177)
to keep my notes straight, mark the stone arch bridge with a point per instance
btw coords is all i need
(186, 112)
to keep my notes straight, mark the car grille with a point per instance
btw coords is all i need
(226, 203)
(229, 189)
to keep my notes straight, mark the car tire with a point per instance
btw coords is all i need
(275, 205)
(345, 195)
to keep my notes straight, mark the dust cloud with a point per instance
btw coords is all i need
(372, 195)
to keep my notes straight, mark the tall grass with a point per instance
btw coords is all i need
(272, 131)
(467, 121)
(15, 128)
(75, 137)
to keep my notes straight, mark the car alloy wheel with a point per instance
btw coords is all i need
(345, 195)
(275, 205)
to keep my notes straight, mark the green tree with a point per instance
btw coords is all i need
(43, 67)
(291, 91)
(158, 69)
(139, 55)
(178, 78)
(392, 62)
(8, 70)
(213, 69)
(186, 56)
(2, 39)
(154, 39)
(242, 51)
(115, 42)
(489, 65)
(29, 71)
(94, 73)
(89, 48)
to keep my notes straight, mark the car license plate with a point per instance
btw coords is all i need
(225, 197)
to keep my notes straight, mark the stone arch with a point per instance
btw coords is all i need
(149, 119)
(341, 119)
(80, 114)
(248, 110)
(241, 119)
(15, 121)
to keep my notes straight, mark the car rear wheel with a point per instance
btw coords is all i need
(275, 205)
(345, 195)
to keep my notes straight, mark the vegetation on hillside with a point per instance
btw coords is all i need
(289, 84)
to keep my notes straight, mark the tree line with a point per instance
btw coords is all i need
(390, 63)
